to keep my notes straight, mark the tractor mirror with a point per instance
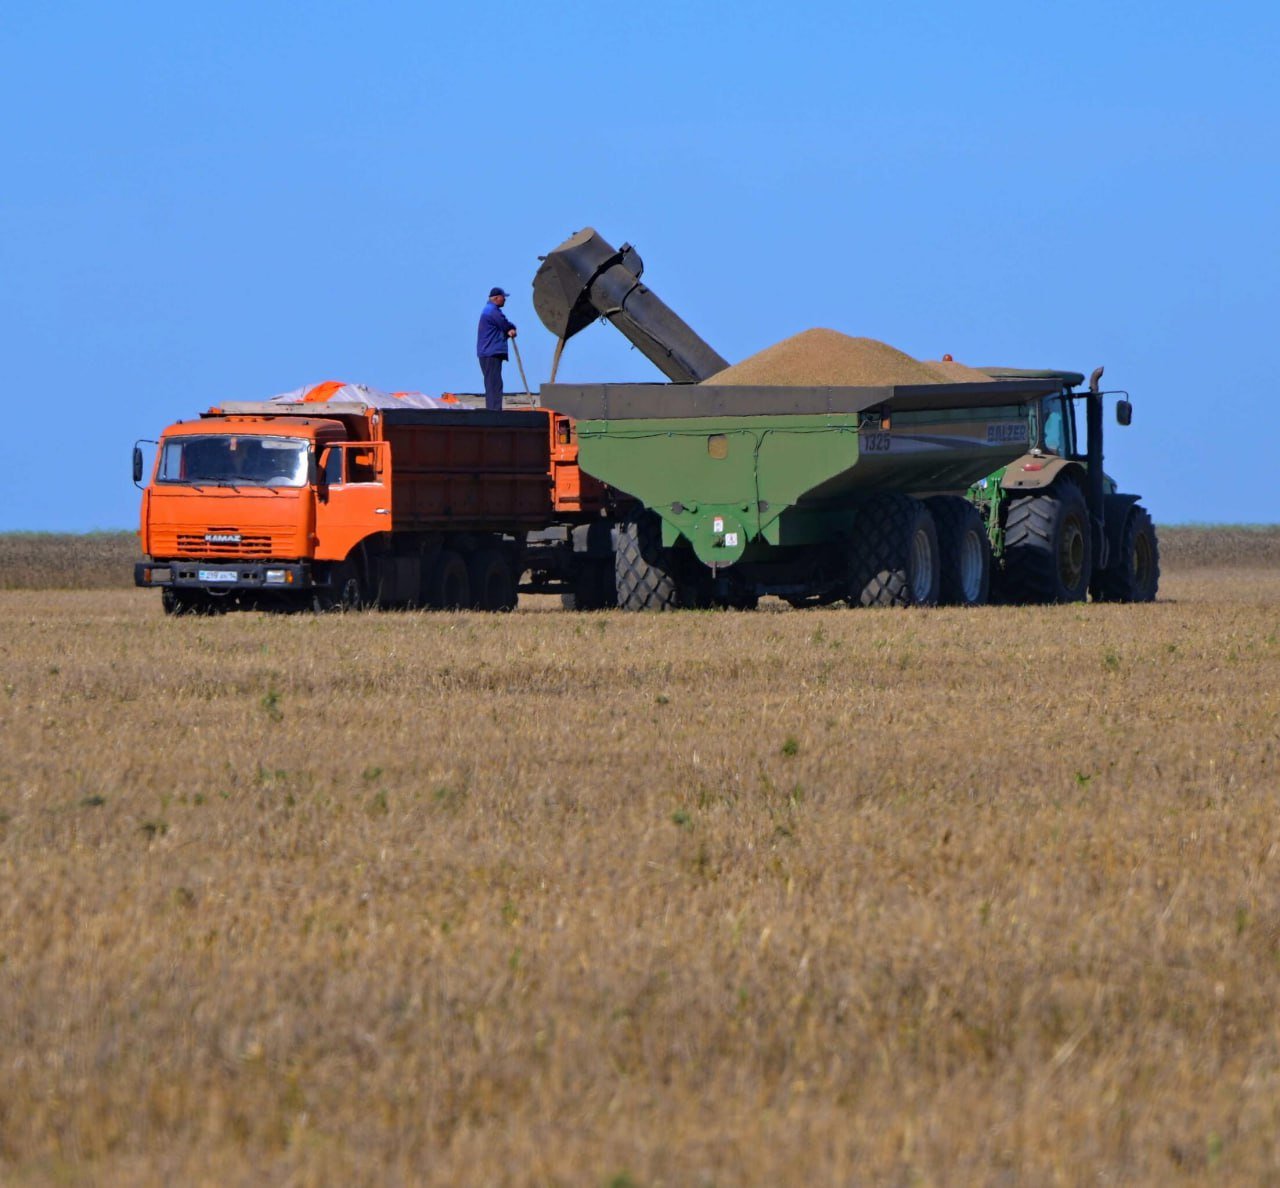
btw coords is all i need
(137, 464)
(1124, 412)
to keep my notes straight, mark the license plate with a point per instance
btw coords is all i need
(218, 575)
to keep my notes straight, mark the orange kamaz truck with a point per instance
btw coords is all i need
(343, 503)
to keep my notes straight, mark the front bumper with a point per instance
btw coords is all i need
(225, 576)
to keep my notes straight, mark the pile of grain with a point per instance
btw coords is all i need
(819, 358)
(951, 372)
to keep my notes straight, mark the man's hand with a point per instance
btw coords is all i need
(512, 332)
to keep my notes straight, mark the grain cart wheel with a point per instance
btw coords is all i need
(893, 558)
(964, 550)
(1136, 574)
(1048, 554)
(448, 584)
(493, 585)
(594, 585)
(644, 570)
(345, 591)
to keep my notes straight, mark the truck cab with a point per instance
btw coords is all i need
(231, 509)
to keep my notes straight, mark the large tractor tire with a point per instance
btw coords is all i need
(1135, 576)
(492, 580)
(645, 572)
(1048, 551)
(893, 558)
(448, 584)
(964, 549)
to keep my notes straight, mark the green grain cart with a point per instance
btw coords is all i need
(875, 496)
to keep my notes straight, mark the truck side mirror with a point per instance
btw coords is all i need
(1124, 412)
(137, 464)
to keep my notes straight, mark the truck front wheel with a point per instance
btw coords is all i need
(345, 591)
(1048, 552)
(1135, 576)
(190, 602)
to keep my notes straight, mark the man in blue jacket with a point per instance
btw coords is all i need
(491, 347)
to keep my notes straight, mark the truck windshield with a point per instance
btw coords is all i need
(240, 461)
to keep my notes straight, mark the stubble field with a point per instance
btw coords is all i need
(785, 897)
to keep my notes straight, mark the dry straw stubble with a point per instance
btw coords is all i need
(797, 896)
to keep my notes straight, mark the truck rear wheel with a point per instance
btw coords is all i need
(1048, 553)
(1135, 576)
(964, 550)
(493, 585)
(448, 583)
(595, 585)
(893, 559)
(644, 570)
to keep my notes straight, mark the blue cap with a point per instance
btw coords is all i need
(496, 292)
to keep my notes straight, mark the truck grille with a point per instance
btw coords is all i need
(191, 544)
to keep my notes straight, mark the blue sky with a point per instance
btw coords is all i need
(205, 202)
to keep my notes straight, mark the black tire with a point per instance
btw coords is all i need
(1048, 550)
(492, 582)
(893, 557)
(964, 550)
(448, 585)
(188, 602)
(738, 602)
(644, 571)
(595, 585)
(345, 591)
(1135, 576)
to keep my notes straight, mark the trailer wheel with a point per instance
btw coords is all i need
(893, 559)
(345, 591)
(964, 550)
(493, 585)
(1048, 553)
(1135, 576)
(595, 585)
(644, 570)
(448, 584)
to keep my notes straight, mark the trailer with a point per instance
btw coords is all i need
(884, 496)
(339, 505)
